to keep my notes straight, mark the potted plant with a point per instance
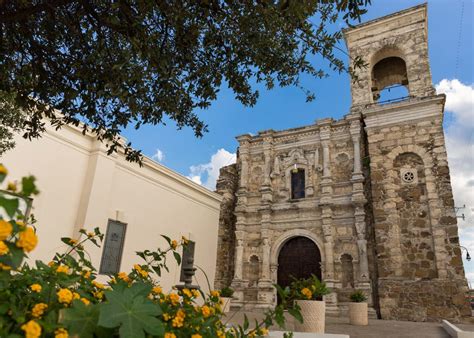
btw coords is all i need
(226, 296)
(358, 314)
(308, 296)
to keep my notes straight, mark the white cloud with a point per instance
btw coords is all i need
(207, 173)
(159, 156)
(460, 148)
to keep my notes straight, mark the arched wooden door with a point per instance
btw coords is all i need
(299, 257)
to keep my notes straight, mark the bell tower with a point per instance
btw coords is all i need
(395, 52)
(412, 222)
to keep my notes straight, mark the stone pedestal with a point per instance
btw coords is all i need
(332, 308)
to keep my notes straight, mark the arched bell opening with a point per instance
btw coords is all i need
(390, 80)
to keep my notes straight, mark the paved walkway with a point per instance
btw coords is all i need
(375, 329)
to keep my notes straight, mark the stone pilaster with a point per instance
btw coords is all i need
(238, 284)
(265, 284)
(360, 226)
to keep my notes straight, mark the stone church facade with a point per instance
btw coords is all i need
(364, 202)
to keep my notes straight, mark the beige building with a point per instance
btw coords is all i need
(83, 187)
(363, 203)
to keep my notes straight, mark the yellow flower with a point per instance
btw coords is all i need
(86, 274)
(174, 244)
(75, 295)
(157, 290)
(38, 310)
(3, 248)
(166, 317)
(179, 319)
(139, 269)
(62, 269)
(72, 241)
(35, 288)
(123, 276)
(215, 293)
(196, 293)
(27, 239)
(187, 293)
(61, 333)
(174, 298)
(5, 267)
(11, 186)
(196, 335)
(169, 335)
(307, 293)
(32, 329)
(98, 294)
(90, 234)
(98, 285)
(85, 301)
(206, 311)
(5, 229)
(65, 296)
(3, 170)
(263, 331)
(51, 264)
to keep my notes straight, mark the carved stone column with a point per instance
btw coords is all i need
(244, 150)
(265, 287)
(361, 243)
(328, 243)
(238, 284)
(239, 255)
(326, 160)
(329, 277)
(355, 130)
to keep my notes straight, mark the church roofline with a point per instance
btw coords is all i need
(384, 19)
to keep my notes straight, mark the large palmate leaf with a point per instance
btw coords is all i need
(132, 311)
(81, 319)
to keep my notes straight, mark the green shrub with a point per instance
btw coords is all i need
(227, 292)
(308, 289)
(62, 298)
(358, 297)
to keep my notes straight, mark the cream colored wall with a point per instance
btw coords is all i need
(83, 187)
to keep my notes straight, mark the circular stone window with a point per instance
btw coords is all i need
(409, 176)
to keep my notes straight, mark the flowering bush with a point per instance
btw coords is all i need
(308, 289)
(63, 298)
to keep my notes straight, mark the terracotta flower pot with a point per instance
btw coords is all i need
(314, 316)
(358, 314)
(226, 304)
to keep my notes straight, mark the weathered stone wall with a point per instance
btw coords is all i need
(226, 186)
(423, 300)
(414, 220)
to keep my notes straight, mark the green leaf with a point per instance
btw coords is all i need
(246, 322)
(177, 257)
(10, 205)
(167, 239)
(28, 186)
(130, 310)
(81, 319)
(296, 314)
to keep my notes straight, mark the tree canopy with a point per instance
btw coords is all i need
(115, 64)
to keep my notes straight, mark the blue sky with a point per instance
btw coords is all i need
(451, 55)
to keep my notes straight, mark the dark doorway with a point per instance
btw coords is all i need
(299, 257)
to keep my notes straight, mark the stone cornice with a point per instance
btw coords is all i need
(403, 112)
(394, 18)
